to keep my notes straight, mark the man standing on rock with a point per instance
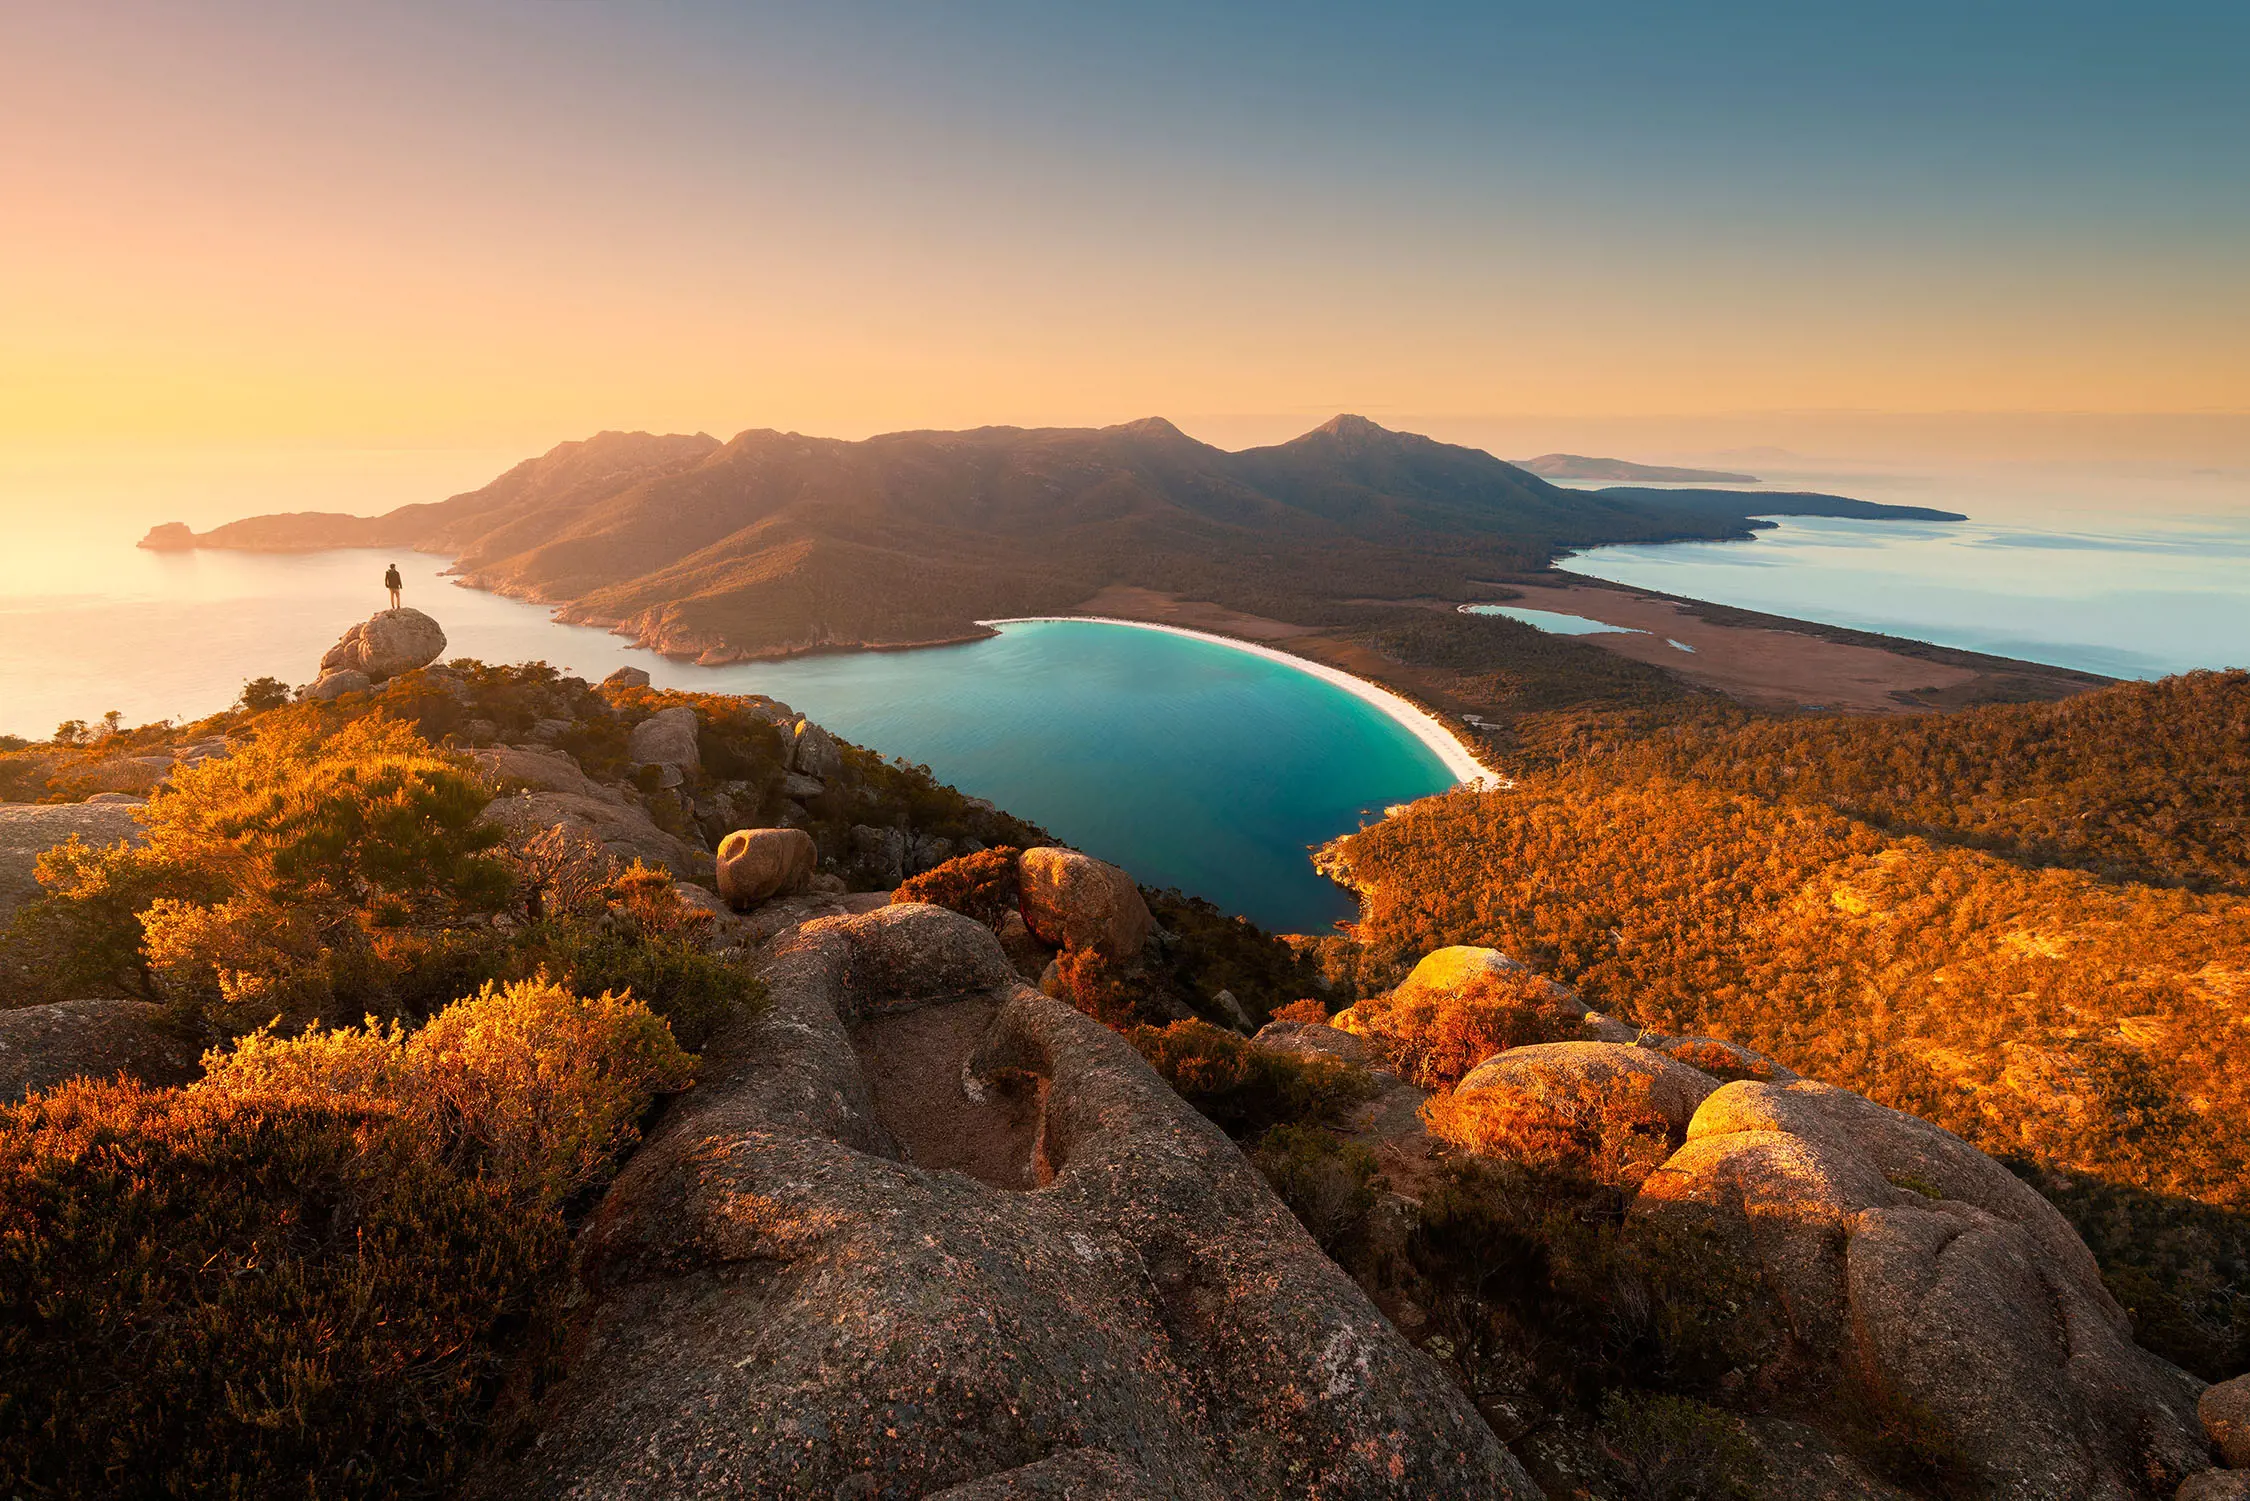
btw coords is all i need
(394, 583)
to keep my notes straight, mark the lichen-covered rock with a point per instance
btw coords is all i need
(778, 1302)
(755, 864)
(813, 752)
(29, 830)
(2215, 1485)
(1077, 902)
(1903, 1254)
(1073, 1475)
(397, 641)
(41, 1046)
(667, 738)
(1574, 1073)
(2225, 1413)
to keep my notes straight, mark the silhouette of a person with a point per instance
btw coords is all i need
(394, 583)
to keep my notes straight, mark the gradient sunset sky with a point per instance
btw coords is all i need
(502, 224)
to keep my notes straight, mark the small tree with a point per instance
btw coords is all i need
(260, 695)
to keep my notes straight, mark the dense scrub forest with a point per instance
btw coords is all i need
(2028, 924)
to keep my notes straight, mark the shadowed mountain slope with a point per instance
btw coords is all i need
(776, 542)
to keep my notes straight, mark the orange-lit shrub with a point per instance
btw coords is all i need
(299, 1275)
(529, 1083)
(985, 885)
(1307, 1010)
(1434, 1037)
(1610, 1134)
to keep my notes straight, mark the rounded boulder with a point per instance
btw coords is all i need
(1074, 901)
(2225, 1411)
(755, 864)
(398, 641)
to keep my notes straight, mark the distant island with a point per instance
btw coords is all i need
(775, 543)
(1581, 466)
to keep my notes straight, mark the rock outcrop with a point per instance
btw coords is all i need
(335, 682)
(813, 752)
(41, 1046)
(1915, 1261)
(608, 818)
(624, 678)
(2215, 1485)
(381, 646)
(921, 1231)
(29, 830)
(170, 536)
(755, 864)
(1074, 901)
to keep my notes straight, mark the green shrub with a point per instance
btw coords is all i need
(1249, 1090)
(1523, 1266)
(1670, 1448)
(1328, 1184)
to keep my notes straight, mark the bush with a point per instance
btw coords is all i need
(1248, 1090)
(1671, 1448)
(1610, 1135)
(1307, 1011)
(527, 1084)
(985, 885)
(302, 1274)
(1434, 1037)
(204, 1293)
(1328, 1184)
(1526, 1267)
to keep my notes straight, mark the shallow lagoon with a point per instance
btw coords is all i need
(1191, 763)
(2134, 598)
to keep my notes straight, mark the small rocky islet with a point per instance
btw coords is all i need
(925, 1227)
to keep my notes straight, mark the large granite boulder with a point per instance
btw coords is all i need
(2215, 1485)
(1908, 1257)
(827, 1273)
(1077, 902)
(29, 830)
(41, 1046)
(755, 864)
(1571, 1075)
(667, 739)
(2225, 1411)
(388, 644)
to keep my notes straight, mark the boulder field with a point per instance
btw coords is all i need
(826, 1272)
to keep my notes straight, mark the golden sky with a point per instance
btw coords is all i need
(497, 225)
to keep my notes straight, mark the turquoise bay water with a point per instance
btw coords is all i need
(1190, 763)
(2128, 597)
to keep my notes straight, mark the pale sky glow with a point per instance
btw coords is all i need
(494, 225)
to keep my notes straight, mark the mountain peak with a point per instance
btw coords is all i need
(1354, 428)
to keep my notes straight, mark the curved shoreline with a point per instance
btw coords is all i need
(1417, 721)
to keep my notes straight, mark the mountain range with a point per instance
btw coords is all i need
(772, 543)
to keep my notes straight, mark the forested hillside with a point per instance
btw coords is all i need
(2027, 924)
